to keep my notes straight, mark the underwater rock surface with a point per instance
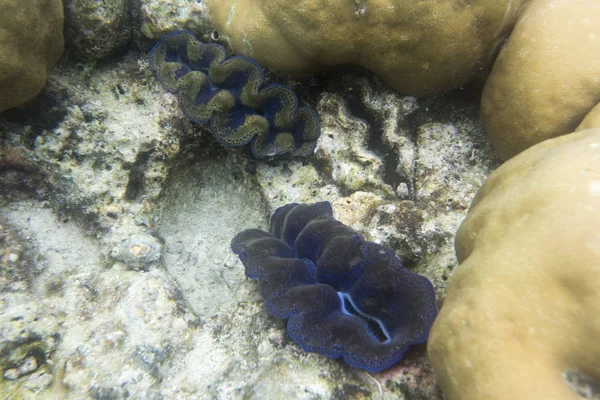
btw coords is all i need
(117, 279)
(95, 29)
(344, 297)
(106, 168)
(228, 96)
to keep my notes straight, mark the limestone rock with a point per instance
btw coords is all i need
(94, 29)
(159, 17)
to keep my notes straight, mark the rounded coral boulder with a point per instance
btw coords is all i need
(418, 47)
(521, 310)
(591, 120)
(547, 76)
(31, 41)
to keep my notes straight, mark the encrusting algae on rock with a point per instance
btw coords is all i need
(522, 307)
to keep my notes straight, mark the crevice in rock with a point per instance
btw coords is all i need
(43, 113)
(135, 185)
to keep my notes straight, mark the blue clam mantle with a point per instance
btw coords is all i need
(344, 296)
(227, 95)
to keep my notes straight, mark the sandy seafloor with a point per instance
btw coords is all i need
(116, 214)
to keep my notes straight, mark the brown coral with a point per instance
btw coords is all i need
(522, 307)
(31, 41)
(547, 76)
(418, 47)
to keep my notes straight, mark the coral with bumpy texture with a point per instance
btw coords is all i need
(344, 296)
(226, 94)
(31, 42)
(520, 318)
(546, 78)
(420, 48)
